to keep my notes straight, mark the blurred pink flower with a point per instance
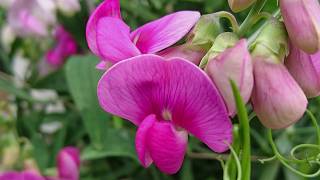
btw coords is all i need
(68, 163)
(65, 47)
(305, 69)
(166, 99)
(233, 64)
(302, 20)
(24, 175)
(112, 40)
(31, 18)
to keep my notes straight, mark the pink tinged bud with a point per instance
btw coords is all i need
(239, 5)
(302, 20)
(166, 99)
(68, 162)
(233, 64)
(187, 51)
(277, 98)
(305, 69)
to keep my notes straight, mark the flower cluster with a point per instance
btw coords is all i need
(169, 91)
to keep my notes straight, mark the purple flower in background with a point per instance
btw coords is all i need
(234, 63)
(68, 163)
(166, 99)
(31, 17)
(112, 40)
(24, 175)
(302, 20)
(305, 69)
(65, 47)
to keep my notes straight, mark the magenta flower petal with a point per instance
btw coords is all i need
(108, 8)
(142, 140)
(167, 146)
(113, 40)
(68, 162)
(164, 32)
(174, 89)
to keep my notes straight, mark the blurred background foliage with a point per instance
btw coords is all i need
(107, 142)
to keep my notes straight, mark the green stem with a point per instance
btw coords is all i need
(233, 21)
(314, 121)
(251, 18)
(283, 160)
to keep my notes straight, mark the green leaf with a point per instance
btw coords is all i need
(244, 132)
(117, 143)
(82, 78)
(9, 87)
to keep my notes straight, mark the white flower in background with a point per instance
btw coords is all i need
(32, 17)
(7, 37)
(68, 7)
(20, 68)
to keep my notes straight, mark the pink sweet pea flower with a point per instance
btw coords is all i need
(302, 20)
(30, 17)
(112, 40)
(166, 99)
(234, 63)
(68, 163)
(305, 69)
(24, 175)
(65, 47)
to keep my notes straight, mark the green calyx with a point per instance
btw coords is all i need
(222, 42)
(206, 30)
(272, 42)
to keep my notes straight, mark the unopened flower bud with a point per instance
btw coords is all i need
(302, 19)
(239, 5)
(277, 98)
(222, 42)
(305, 69)
(68, 162)
(232, 64)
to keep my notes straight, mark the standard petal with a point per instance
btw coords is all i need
(11, 176)
(68, 162)
(141, 140)
(174, 89)
(164, 32)
(108, 8)
(277, 98)
(167, 146)
(113, 40)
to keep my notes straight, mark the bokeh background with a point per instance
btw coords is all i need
(42, 113)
